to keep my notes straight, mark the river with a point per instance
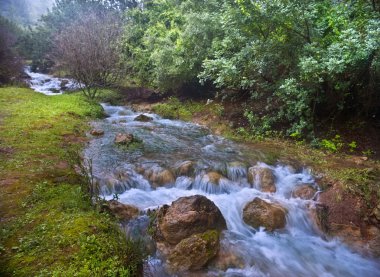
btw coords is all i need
(298, 249)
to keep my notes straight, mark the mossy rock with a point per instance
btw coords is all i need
(195, 252)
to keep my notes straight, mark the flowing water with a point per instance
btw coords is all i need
(297, 250)
(49, 85)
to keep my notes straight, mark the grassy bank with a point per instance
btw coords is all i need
(48, 225)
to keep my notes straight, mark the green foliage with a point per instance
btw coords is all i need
(333, 145)
(362, 182)
(352, 146)
(299, 60)
(166, 41)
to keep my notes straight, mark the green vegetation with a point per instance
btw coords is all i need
(301, 61)
(49, 226)
(173, 108)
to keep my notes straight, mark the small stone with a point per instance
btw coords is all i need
(122, 211)
(124, 139)
(97, 132)
(143, 118)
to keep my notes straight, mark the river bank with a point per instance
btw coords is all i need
(48, 224)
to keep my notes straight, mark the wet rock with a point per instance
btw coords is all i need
(187, 216)
(375, 215)
(97, 132)
(263, 177)
(236, 170)
(259, 213)
(194, 252)
(63, 84)
(228, 256)
(122, 211)
(124, 139)
(212, 177)
(305, 192)
(159, 176)
(319, 214)
(185, 168)
(122, 121)
(143, 118)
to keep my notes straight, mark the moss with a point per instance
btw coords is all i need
(50, 227)
(360, 181)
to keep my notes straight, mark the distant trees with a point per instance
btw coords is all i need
(88, 49)
(10, 61)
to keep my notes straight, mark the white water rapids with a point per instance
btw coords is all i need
(49, 85)
(297, 250)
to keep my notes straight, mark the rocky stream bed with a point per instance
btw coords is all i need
(206, 206)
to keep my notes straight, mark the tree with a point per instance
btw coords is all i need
(10, 61)
(89, 50)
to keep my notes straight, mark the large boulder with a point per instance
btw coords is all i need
(143, 118)
(124, 139)
(305, 192)
(194, 252)
(259, 213)
(187, 216)
(122, 211)
(262, 177)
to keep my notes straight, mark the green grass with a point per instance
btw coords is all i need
(48, 226)
(174, 109)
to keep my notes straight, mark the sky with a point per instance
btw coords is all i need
(24, 11)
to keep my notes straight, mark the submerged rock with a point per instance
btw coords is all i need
(185, 168)
(194, 252)
(236, 170)
(263, 177)
(212, 178)
(158, 176)
(187, 216)
(97, 132)
(122, 211)
(143, 118)
(63, 84)
(259, 213)
(229, 256)
(305, 192)
(124, 139)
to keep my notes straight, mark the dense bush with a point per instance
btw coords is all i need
(302, 60)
